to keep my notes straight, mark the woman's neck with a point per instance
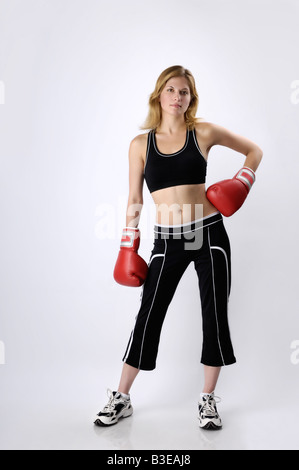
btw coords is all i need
(171, 126)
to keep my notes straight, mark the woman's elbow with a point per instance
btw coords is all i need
(254, 157)
(135, 200)
(135, 205)
(259, 155)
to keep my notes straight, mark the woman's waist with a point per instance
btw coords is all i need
(182, 204)
(174, 230)
(175, 213)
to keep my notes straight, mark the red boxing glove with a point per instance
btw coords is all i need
(228, 195)
(130, 269)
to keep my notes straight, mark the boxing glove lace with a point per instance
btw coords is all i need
(229, 195)
(130, 269)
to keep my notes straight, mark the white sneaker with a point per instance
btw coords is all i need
(207, 413)
(116, 408)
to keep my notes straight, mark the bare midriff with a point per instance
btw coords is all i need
(182, 204)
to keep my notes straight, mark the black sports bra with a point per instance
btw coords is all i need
(187, 166)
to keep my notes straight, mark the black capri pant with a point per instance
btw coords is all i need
(205, 242)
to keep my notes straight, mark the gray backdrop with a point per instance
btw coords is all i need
(75, 77)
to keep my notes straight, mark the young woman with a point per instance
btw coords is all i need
(172, 159)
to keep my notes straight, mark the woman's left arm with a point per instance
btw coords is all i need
(218, 135)
(229, 195)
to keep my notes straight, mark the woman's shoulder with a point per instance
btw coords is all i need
(140, 139)
(138, 145)
(204, 126)
(206, 131)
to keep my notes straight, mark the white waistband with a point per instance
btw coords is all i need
(188, 223)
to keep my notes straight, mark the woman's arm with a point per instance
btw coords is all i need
(218, 135)
(136, 178)
(229, 195)
(130, 269)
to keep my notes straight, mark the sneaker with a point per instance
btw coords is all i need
(207, 413)
(117, 407)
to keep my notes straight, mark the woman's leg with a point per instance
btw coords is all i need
(211, 375)
(118, 406)
(207, 410)
(167, 264)
(127, 378)
(214, 277)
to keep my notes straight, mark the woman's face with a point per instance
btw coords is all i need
(175, 96)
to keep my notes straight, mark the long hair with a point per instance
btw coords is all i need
(154, 116)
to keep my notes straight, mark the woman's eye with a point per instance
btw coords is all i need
(183, 92)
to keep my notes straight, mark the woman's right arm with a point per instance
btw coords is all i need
(137, 152)
(130, 269)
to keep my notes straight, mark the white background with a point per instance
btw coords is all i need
(75, 79)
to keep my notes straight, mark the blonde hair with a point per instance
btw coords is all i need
(154, 116)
